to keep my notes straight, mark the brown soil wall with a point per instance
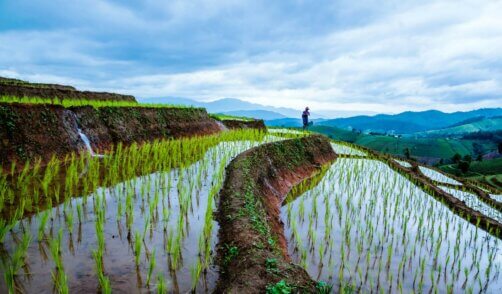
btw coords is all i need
(40, 131)
(251, 231)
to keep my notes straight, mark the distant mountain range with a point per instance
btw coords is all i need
(261, 114)
(408, 122)
(402, 123)
(243, 108)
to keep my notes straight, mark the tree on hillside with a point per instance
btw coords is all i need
(468, 158)
(480, 157)
(477, 149)
(407, 153)
(456, 158)
(464, 166)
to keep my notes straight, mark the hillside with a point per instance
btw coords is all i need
(487, 171)
(429, 150)
(410, 122)
(478, 125)
(477, 168)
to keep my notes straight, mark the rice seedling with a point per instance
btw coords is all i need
(151, 267)
(385, 225)
(161, 188)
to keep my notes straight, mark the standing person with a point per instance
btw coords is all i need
(305, 118)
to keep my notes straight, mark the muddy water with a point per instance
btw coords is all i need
(162, 205)
(366, 228)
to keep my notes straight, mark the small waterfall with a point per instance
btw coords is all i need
(221, 125)
(72, 124)
(86, 142)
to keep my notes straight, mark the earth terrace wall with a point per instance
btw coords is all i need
(252, 250)
(41, 131)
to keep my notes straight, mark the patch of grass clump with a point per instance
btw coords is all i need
(281, 287)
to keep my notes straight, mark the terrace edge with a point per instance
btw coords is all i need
(252, 249)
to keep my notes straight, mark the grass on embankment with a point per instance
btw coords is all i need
(67, 103)
(83, 102)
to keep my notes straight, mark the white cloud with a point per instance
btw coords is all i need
(411, 55)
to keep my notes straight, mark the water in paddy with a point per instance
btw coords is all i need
(437, 176)
(167, 215)
(370, 228)
(473, 202)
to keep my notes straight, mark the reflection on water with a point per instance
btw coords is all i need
(167, 215)
(370, 228)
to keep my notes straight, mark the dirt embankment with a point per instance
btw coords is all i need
(241, 124)
(31, 131)
(18, 88)
(252, 247)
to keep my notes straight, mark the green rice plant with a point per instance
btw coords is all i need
(195, 273)
(58, 276)
(42, 223)
(161, 284)
(104, 282)
(151, 267)
(137, 247)
(5, 227)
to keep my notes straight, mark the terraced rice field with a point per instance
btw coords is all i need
(437, 176)
(152, 232)
(140, 219)
(366, 228)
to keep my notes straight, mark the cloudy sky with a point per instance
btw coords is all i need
(366, 55)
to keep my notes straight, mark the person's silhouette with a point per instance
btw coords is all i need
(305, 118)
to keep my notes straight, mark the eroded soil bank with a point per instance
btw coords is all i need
(19, 88)
(252, 248)
(41, 131)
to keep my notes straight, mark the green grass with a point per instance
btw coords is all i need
(84, 102)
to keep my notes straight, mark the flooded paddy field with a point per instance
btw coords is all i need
(152, 232)
(364, 227)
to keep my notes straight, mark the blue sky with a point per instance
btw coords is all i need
(368, 55)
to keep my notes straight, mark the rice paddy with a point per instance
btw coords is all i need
(347, 149)
(473, 202)
(403, 163)
(437, 176)
(366, 228)
(140, 219)
(143, 219)
(497, 197)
